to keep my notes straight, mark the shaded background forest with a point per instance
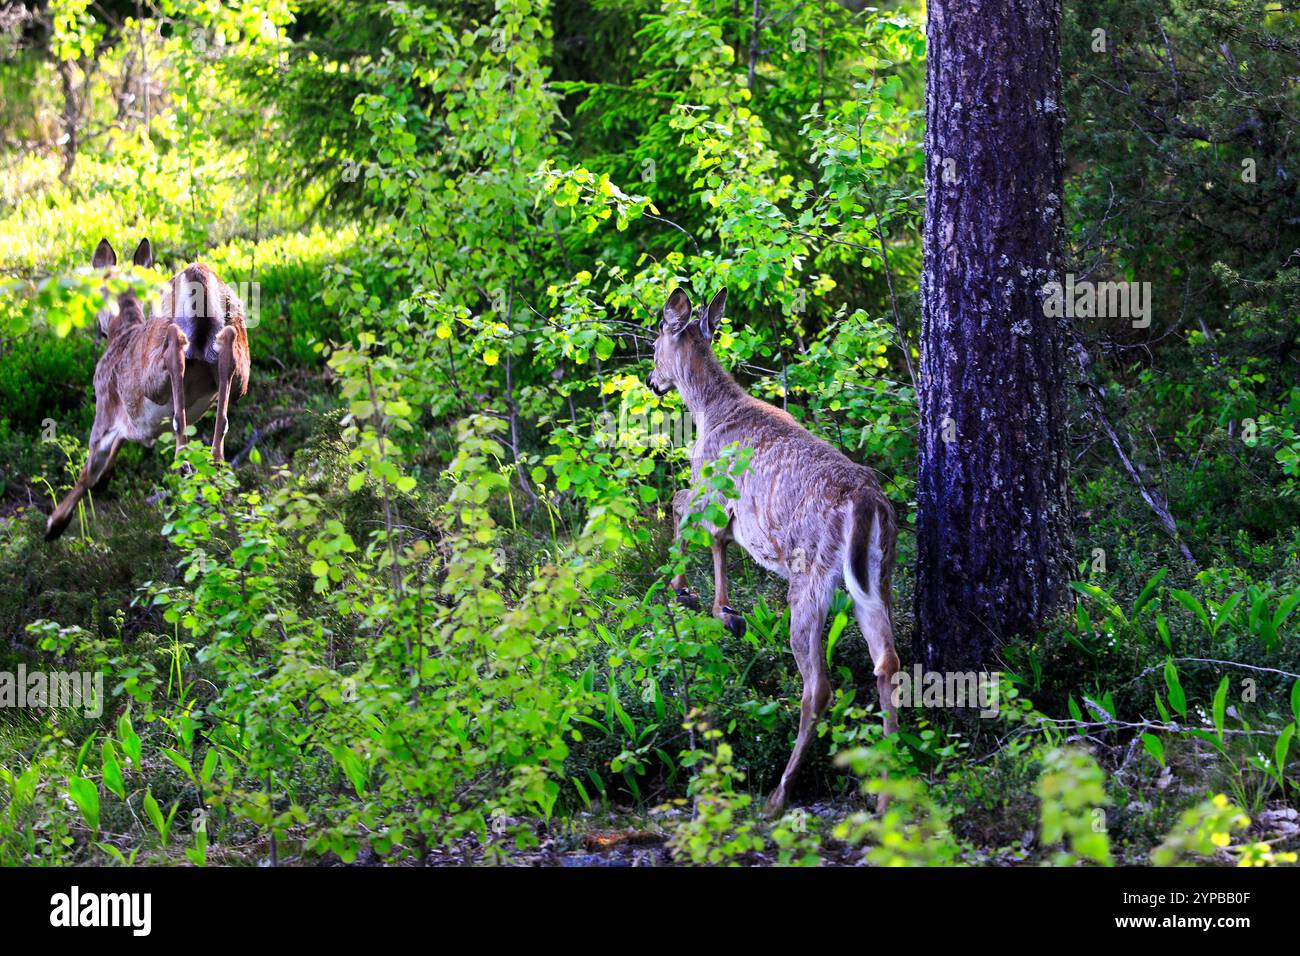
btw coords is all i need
(423, 616)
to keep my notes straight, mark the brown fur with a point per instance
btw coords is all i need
(152, 372)
(805, 512)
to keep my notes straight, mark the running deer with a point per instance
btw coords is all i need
(193, 349)
(804, 511)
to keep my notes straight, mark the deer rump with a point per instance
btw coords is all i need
(201, 305)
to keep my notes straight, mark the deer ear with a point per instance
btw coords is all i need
(677, 311)
(712, 316)
(143, 255)
(104, 255)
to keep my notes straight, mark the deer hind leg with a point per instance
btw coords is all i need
(225, 373)
(103, 452)
(874, 621)
(106, 473)
(173, 365)
(809, 602)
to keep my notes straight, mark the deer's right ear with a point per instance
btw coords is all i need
(104, 255)
(677, 311)
(143, 255)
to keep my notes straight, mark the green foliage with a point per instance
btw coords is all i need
(1205, 831)
(719, 830)
(1072, 789)
(911, 829)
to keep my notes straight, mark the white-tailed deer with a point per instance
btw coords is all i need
(170, 366)
(804, 511)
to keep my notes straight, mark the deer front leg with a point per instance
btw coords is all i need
(722, 608)
(225, 373)
(809, 603)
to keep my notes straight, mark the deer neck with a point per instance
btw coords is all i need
(706, 388)
(129, 313)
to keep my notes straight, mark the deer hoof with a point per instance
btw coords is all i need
(54, 528)
(734, 621)
(688, 598)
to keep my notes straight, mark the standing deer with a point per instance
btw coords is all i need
(804, 511)
(169, 366)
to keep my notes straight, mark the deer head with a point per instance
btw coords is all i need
(685, 334)
(105, 259)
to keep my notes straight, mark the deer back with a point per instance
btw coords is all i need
(796, 494)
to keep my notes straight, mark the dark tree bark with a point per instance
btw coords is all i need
(71, 116)
(993, 519)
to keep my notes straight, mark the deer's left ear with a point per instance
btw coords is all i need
(143, 255)
(712, 316)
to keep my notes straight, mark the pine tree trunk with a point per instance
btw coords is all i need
(993, 521)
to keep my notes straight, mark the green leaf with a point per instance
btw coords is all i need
(625, 720)
(198, 854)
(1280, 750)
(592, 722)
(1224, 612)
(1284, 610)
(154, 813)
(1154, 747)
(112, 770)
(209, 766)
(114, 852)
(83, 753)
(182, 763)
(1160, 706)
(1162, 628)
(130, 741)
(1220, 706)
(352, 767)
(1092, 591)
(1177, 699)
(833, 638)
(86, 796)
(1148, 592)
(1190, 602)
(582, 792)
